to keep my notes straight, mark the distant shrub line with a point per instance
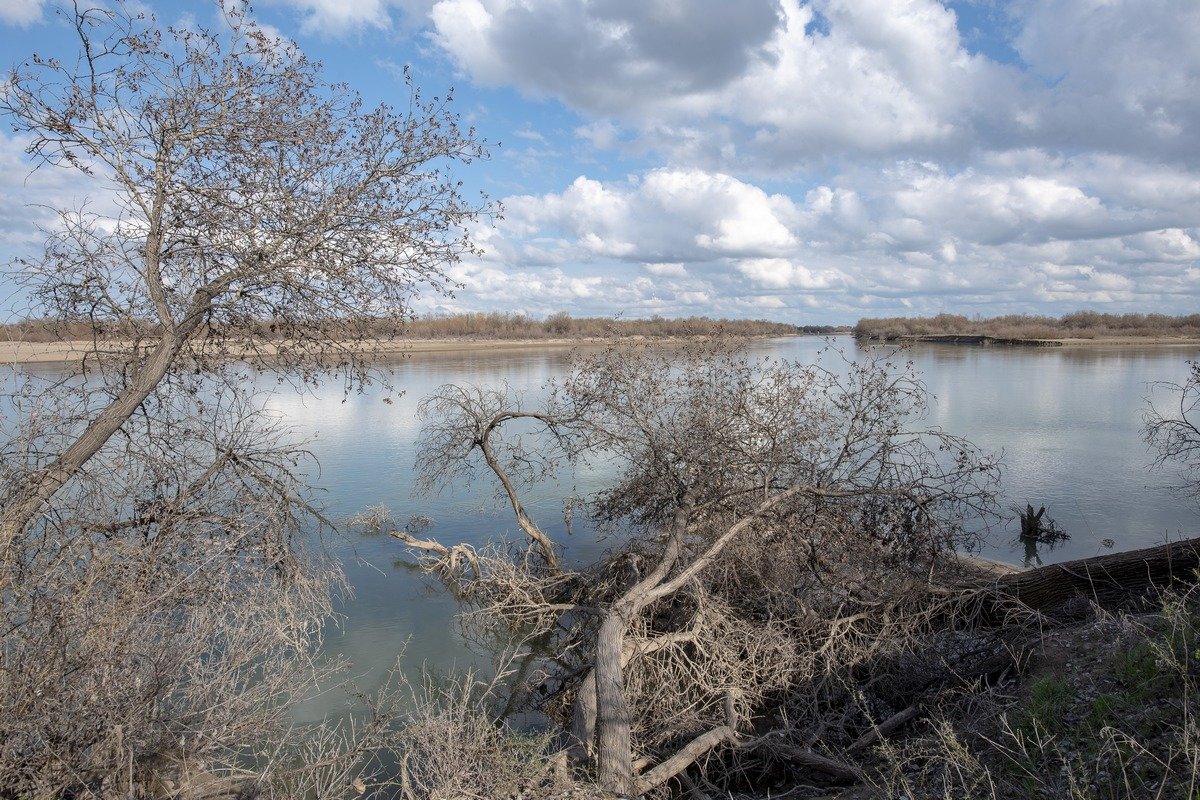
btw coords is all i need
(480, 325)
(1077, 325)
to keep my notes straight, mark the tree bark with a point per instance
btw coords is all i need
(685, 757)
(1108, 579)
(583, 720)
(614, 751)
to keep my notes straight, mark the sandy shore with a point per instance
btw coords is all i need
(63, 352)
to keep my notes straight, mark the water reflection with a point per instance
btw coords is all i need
(1067, 420)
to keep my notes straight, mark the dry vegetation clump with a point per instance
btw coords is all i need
(162, 614)
(450, 747)
(1077, 325)
(773, 597)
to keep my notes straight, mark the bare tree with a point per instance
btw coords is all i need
(261, 213)
(161, 595)
(776, 511)
(1173, 434)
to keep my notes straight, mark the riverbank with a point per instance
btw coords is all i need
(1078, 328)
(65, 352)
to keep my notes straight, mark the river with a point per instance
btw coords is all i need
(1068, 421)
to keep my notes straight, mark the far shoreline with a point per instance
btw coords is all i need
(61, 352)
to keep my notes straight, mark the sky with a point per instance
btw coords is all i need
(807, 162)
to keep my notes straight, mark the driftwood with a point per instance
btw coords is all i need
(1109, 580)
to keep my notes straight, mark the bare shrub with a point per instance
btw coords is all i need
(165, 612)
(451, 746)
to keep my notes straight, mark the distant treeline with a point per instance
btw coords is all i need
(480, 325)
(824, 330)
(1078, 325)
(502, 325)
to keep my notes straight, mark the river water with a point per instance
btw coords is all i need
(1068, 421)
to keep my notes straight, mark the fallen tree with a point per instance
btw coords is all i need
(1109, 580)
(771, 600)
(787, 594)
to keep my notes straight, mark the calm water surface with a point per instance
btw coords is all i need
(1067, 420)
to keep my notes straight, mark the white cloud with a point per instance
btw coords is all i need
(666, 270)
(759, 81)
(605, 55)
(1018, 225)
(342, 17)
(601, 134)
(993, 209)
(667, 216)
(1123, 74)
(21, 12)
(770, 85)
(781, 273)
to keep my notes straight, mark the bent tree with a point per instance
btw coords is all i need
(159, 605)
(248, 209)
(778, 517)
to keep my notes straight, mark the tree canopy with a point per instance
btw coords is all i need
(246, 208)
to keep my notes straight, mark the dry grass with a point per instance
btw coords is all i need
(451, 747)
(1112, 715)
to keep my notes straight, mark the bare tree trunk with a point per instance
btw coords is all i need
(544, 543)
(1106, 579)
(614, 751)
(583, 720)
(685, 757)
(1031, 522)
(39, 487)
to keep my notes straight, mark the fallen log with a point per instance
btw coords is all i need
(1109, 580)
